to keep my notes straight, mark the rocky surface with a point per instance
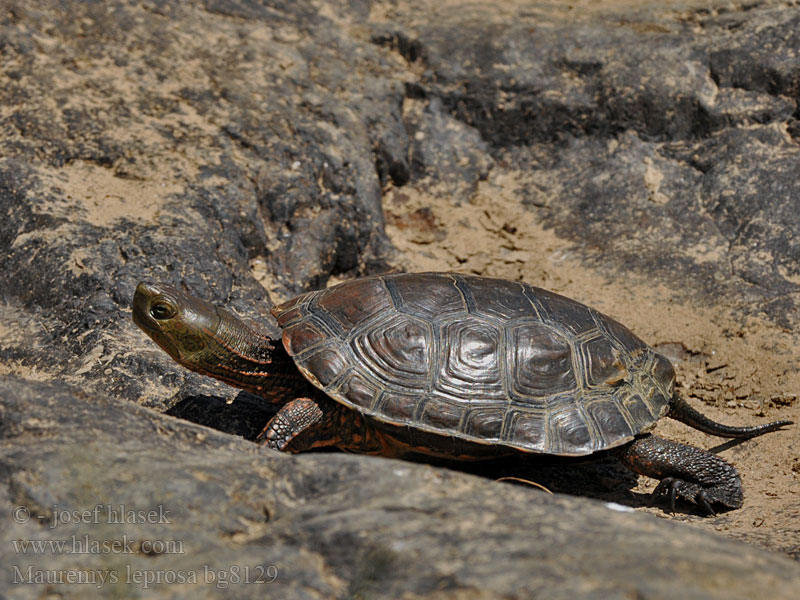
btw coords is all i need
(224, 512)
(641, 157)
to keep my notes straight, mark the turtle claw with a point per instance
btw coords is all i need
(677, 488)
(703, 501)
(666, 487)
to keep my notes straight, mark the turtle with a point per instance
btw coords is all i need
(451, 366)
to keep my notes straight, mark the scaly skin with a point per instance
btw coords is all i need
(681, 411)
(214, 342)
(685, 472)
(303, 424)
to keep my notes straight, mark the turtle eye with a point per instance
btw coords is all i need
(162, 310)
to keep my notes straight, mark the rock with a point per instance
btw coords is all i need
(447, 151)
(207, 505)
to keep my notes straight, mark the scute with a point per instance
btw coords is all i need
(301, 336)
(427, 295)
(602, 362)
(484, 360)
(528, 429)
(326, 365)
(610, 421)
(498, 298)
(663, 371)
(398, 351)
(570, 431)
(542, 361)
(486, 423)
(472, 359)
(399, 408)
(638, 409)
(623, 335)
(356, 302)
(442, 415)
(568, 314)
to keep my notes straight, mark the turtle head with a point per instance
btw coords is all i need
(183, 325)
(211, 340)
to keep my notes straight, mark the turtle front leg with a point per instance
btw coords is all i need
(306, 423)
(684, 471)
(291, 420)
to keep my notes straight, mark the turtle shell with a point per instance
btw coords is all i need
(485, 360)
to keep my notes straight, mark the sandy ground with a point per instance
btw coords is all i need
(737, 372)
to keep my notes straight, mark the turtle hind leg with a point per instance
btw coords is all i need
(680, 410)
(685, 472)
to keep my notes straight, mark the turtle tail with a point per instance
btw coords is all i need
(680, 410)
